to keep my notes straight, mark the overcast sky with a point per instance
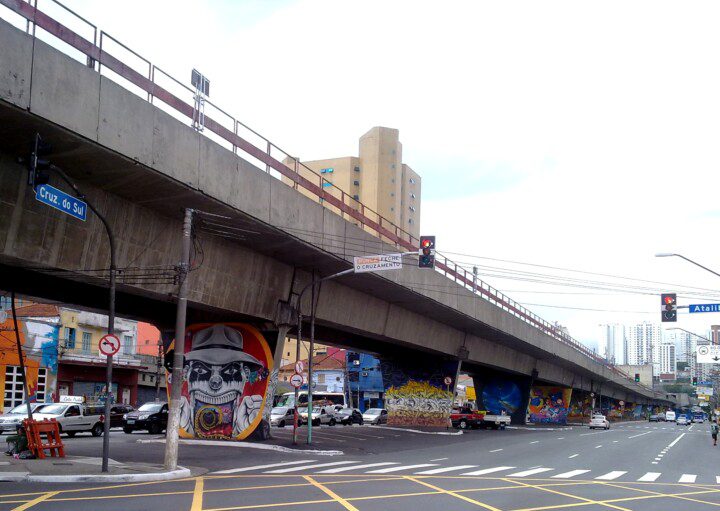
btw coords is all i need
(580, 135)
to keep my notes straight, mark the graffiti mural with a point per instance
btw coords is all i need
(418, 404)
(580, 407)
(225, 381)
(415, 393)
(549, 404)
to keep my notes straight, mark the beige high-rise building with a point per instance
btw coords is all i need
(377, 178)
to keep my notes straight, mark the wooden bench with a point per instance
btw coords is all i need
(51, 441)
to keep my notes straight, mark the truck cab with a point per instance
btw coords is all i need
(74, 416)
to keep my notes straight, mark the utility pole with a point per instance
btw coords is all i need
(173, 427)
(157, 374)
(20, 355)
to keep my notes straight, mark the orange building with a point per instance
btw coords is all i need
(148, 338)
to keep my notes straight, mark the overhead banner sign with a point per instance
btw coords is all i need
(708, 354)
(706, 391)
(704, 307)
(378, 262)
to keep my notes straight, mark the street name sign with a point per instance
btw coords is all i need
(708, 354)
(704, 307)
(61, 201)
(378, 262)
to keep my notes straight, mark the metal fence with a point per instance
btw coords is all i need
(82, 40)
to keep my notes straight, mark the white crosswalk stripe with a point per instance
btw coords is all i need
(398, 469)
(612, 475)
(445, 469)
(484, 471)
(530, 472)
(308, 467)
(260, 467)
(687, 478)
(650, 477)
(357, 467)
(572, 473)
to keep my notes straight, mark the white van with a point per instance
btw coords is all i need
(669, 416)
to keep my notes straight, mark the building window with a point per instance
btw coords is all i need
(412, 195)
(412, 208)
(392, 208)
(410, 221)
(321, 378)
(327, 171)
(70, 338)
(127, 345)
(356, 197)
(143, 376)
(327, 184)
(356, 182)
(14, 386)
(357, 169)
(412, 181)
(392, 165)
(392, 194)
(86, 338)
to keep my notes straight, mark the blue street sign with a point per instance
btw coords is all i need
(61, 201)
(704, 307)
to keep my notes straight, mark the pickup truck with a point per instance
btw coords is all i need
(74, 418)
(464, 418)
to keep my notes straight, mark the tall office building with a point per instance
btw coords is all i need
(377, 178)
(714, 334)
(667, 358)
(643, 344)
(614, 344)
(685, 344)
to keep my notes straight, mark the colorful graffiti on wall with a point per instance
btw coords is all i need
(225, 381)
(418, 404)
(40, 349)
(549, 404)
(580, 407)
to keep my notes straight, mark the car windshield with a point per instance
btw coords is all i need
(286, 400)
(373, 411)
(151, 407)
(345, 411)
(302, 409)
(54, 409)
(22, 409)
(278, 411)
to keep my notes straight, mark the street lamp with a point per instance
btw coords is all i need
(668, 254)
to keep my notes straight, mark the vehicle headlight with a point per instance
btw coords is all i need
(124, 416)
(144, 416)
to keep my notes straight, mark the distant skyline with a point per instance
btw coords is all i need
(568, 134)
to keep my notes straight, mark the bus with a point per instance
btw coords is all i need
(288, 399)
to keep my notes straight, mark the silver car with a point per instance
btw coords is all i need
(11, 420)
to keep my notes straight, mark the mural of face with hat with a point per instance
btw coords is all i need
(224, 381)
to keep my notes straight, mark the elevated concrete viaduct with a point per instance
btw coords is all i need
(143, 167)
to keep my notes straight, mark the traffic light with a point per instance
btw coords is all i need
(668, 309)
(694, 381)
(427, 252)
(36, 166)
(637, 377)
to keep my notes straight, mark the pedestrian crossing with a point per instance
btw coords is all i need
(430, 469)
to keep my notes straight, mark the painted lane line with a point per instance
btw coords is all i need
(495, 450)
(561, 438)
(445, 469)
(443, 459)
(615, 441)
(687, 478)
(676, 440)
(568, 475)
(530, 472)
(358, 467)
(535, 442)
(641, 434)
(650, 477)
(573, 456)
(402, 467)
(654, 462)
(307, 467)
(598, 446)
(260, 467)
(612, 475)
(487, 471)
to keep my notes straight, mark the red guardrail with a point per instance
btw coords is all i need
(356, 210)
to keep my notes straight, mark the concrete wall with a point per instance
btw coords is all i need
(142, 166)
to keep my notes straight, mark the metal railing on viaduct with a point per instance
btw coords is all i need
(85, 42)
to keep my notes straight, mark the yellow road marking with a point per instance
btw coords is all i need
(569, 495)
(197, 501)
(669, 495)
(337, 498)
(276, 504)
(37, 500)
(453, 494)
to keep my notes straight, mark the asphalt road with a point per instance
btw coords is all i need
(633, 466)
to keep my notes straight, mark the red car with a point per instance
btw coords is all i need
(464, 418)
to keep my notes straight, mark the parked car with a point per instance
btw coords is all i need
(282, 415)
(117, 412)
(698, 417)
(654, 418)
(150, 417)
(682, 420)
(599, 421)
(74, 417)
(11, 420)
(661, 417)
(375, 416)
(349, 416)
(320, 415)
(670, 416)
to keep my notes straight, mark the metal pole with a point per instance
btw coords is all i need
(297, 358)
(20, 355)
(157, 373)
(310, 362)
(173, 426)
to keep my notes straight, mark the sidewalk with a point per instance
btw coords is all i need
(77, 469)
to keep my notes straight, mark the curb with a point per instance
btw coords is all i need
(246, 445)
(446, 433)
(26, 477)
